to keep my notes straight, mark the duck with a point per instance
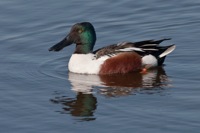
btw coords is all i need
(119, 58)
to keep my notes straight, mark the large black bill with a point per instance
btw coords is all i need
(65, 42)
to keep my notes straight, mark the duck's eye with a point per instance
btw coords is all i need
(80, 30)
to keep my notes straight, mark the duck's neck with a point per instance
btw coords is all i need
(84, 48)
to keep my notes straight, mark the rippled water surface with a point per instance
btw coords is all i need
(38, 94)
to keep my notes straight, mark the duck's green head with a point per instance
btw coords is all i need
(81, 34)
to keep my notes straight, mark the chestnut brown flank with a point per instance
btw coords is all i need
(121, 63)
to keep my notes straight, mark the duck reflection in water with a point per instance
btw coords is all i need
(120, 84)
(82, 106)
(85, 103)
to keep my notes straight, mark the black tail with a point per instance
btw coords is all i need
(141, 43)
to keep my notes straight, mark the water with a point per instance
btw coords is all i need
(38, 94)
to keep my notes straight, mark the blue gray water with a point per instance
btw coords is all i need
(39, 95)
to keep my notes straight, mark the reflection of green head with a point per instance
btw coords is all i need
(87, 104)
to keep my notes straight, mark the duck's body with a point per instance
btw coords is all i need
(117, 58)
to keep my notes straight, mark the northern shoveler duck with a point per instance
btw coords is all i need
(123, 57)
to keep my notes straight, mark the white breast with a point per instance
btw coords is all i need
(85, 63)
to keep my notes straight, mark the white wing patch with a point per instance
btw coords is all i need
(130, 49)
(150, 49)
(147, 45)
